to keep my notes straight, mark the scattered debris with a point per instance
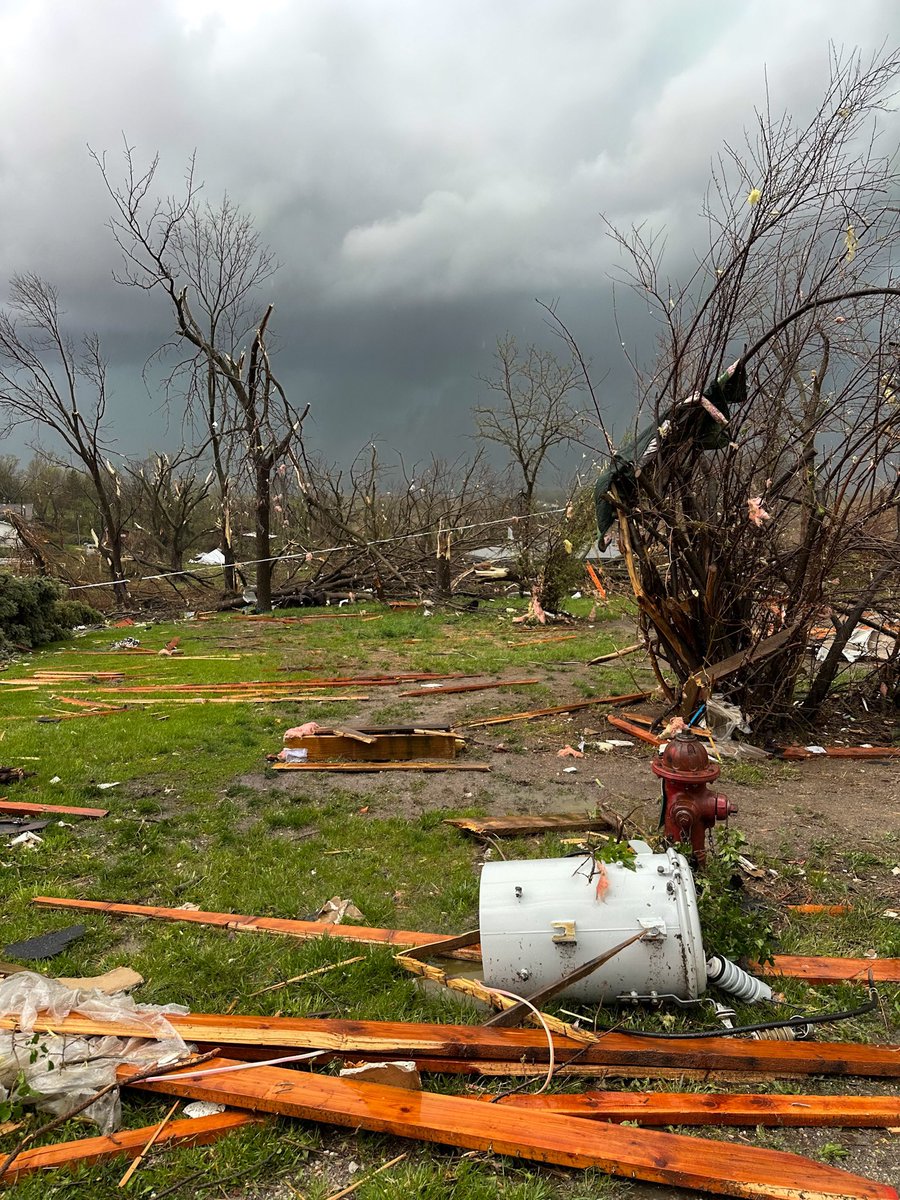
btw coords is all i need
(28, 839)
(45, 945)
(13, 774)
(516, 826)
(569, 752)
(334, 910)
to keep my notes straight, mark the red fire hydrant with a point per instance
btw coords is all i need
(689, 808)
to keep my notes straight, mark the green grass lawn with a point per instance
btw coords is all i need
(194, 818)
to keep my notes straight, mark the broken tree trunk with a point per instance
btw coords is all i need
(723, 1169)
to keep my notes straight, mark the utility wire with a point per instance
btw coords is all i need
(252, 562)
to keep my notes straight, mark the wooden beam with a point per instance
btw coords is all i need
(304, 930)
(575, 706)
(469, 687)
(399, 1039)
(514, 826)
(635, 731)
(127, 1142)
(800, 753)
(62, 810)
(815, 969)
(728, 1169)
(352, 767)
(703, 1108)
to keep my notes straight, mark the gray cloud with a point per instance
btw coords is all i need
(422, 171)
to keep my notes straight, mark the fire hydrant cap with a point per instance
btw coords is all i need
(685, 760)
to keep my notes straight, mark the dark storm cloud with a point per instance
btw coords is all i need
(422, 171)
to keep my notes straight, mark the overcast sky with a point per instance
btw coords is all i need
(423, 170)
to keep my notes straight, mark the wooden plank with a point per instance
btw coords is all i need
(399, 1039)
(469, 687)
(815, 969)
(513, 826)
(728, 1169)
(635, 731)
(63, 810)
(127, 1142)
(304, 930)
(602, 658)
(703, 1108)
(800, 753)
(575, 706)
(388, 747)
(352, 767)
(829, 910)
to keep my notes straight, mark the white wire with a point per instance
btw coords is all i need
(253, 562)
(540, 1016)
(268, 1062)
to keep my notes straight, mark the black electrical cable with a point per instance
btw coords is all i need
(789, 1022)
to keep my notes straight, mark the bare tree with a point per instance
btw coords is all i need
(50, 381)
(209, 262)
(748, 500)
(171, 494)
(534, 413)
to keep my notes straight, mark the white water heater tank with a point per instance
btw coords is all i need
(542, 918)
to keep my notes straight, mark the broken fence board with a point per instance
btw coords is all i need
(469, 687)
(703, 1108)
(723, 1169)
(400, 938)
(635, 731)
(359, 767)
(128, 1142)
(62, 810)
(575, 706)
(515, 825)
(800, 753)
(389, 1039)
(815, 969)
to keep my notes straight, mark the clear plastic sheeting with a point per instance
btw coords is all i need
(57, 1073)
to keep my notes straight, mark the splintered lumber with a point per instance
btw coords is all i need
(635, 731)
(504, 1048)
(352, 767)
(575, 706)
(602, 658)
(702, 1108)
(62, 810)
(127, 1142)
(799, 753)
(401, 938)
(724, 1169)
(280, 685)
(383, 747)
(469, 687)
(513, 826)
(815, 969)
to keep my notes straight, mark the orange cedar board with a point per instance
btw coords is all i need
(815, 969)
(698, 1108)
(722, 1168)
(130, 1142)
(235, 921)
(634, 731)
(562, 708)
(64, 810)
(361, 767)
(470, 687)
(796, 753)
(411, 1039)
